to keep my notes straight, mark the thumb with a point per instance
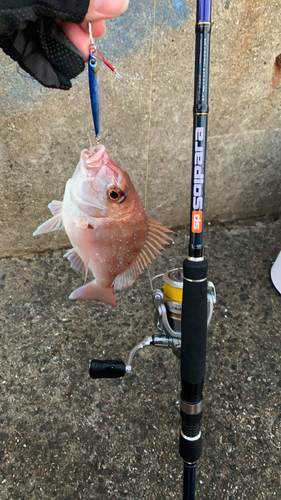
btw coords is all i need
(105, 9)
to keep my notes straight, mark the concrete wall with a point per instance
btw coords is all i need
(43, 131)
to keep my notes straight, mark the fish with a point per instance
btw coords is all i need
(105, 221)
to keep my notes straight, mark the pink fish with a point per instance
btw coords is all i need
(106, 223)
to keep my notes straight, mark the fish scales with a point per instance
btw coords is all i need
(105, 221)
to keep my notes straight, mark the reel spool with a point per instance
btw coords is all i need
(172, 297)
(168, 304)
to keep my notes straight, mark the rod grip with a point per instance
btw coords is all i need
(194, 328)
(107, 368)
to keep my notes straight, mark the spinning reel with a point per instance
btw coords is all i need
(168, 308)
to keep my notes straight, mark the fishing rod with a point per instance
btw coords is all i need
(194, 305)
(184, 304)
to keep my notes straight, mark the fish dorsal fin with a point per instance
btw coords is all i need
(56, 207)
(53, 224)
(75, 260)
(156, 237)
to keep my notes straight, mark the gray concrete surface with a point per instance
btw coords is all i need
(68, 437)
(43, 131)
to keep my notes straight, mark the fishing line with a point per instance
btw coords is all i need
(97, 55)
(150, 106)
(149, 121)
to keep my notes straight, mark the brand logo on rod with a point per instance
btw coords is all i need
(198, 176)
(197, 218)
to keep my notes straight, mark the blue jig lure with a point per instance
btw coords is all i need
(95, 91)
(94, 81)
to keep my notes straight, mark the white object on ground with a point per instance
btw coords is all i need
(276, 273)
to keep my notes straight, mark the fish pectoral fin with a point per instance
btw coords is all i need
(56, 207)
(93, 291)
(53, 224)
(76, 261)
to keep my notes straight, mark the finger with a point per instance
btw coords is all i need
(105, 9)
(79, 34)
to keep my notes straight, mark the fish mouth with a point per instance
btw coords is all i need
(92, 157)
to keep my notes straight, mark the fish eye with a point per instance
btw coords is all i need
(115, 194)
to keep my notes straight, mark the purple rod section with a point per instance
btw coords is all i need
(203, 13)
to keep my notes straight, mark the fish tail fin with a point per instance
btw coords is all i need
(93, 291)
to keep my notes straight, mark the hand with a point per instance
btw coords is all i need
(45, 47)
(98, 11)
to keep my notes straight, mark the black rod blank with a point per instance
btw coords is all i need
(194, 302)
(189, 474)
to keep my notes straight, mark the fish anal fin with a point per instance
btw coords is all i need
(94, 291)
(56, 207)
(53, 224)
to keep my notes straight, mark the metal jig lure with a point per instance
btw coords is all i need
(94, 81)
(95, 92)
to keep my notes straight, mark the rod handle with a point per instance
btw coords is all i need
(110, 368)
(194, 327)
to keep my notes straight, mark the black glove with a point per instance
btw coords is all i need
(40, 47)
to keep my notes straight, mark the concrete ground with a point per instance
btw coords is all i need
(66, 436)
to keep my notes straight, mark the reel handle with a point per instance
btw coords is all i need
(110, 368)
